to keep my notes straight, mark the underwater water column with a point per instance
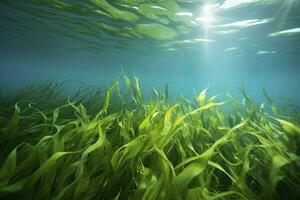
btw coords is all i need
(149, 100)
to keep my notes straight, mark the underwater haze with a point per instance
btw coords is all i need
(190, 44)
(150, 99)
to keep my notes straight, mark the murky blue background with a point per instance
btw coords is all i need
(30, 54)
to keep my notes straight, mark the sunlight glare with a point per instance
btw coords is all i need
(207, 16)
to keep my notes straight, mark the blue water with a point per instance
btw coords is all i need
(255, 44)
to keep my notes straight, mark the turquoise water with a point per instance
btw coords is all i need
(80, 117)
(190, 44)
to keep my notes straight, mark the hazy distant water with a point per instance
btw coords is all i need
(224, 46)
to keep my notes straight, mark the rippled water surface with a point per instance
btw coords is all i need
(190, 43)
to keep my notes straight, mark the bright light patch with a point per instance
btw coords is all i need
(193, 23)
(207, 15)
(192, 41)
(288, 32)
(184, 14)
(226, 32)
(261, 52)
(172, 49)
(158, 7)
(203, 40)
(231, 49)
(235, 3)
(246, 23)
(187, 41)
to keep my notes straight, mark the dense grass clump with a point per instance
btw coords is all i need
(108, 144)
